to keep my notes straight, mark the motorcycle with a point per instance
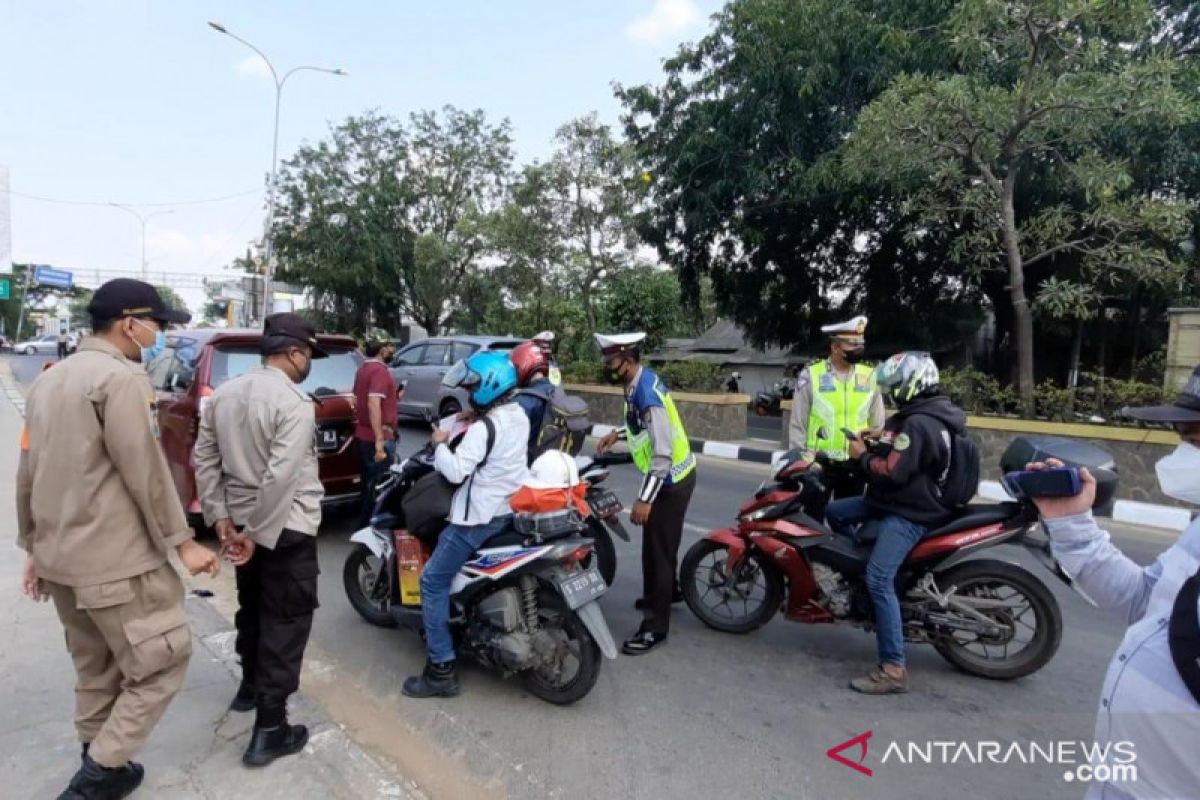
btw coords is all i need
(526, 603)
(769, 403)
(988, 617)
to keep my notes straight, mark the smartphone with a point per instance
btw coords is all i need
(1057, 482)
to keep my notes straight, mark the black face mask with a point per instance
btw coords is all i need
(854, 356)
(613, 375)
(302, 373)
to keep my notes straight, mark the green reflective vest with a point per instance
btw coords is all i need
(838, 404)
(651, 391)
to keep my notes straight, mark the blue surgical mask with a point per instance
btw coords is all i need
(155, 350)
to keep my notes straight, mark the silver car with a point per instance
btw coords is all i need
(46, 345)
(422, 365)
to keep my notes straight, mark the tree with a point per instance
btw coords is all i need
(644, 299)
(384, 219)
(740, 147)
(171, 298)
(1010, 152)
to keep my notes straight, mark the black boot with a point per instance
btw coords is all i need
(436, 680)
(244, 699)
(94, 782)
(273, 736)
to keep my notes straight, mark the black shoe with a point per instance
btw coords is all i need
(642, 642)
(268, 744)
(676, 599)
(436, 680)
(244, 699)
(94, 782)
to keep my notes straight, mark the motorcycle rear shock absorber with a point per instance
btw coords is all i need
(529, 602)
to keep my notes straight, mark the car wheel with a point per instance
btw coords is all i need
(30, 351)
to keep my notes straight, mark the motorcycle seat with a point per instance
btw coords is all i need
(977, 516)
(506, 539)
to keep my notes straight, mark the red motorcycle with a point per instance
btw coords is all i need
(988, 617)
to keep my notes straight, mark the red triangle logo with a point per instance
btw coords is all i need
(861, 740)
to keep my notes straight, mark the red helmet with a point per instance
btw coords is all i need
(529, 359)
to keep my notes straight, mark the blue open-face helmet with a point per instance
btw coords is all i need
(487, 377)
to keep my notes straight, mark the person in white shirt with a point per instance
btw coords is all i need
(488, 466)
(1151, 694)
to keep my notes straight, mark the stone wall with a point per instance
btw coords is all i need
(1134, 450)
(719, 417)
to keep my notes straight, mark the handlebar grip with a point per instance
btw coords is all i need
(612, 459)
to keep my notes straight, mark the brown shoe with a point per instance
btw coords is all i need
(879, 682)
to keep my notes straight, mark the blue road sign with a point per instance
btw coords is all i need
(55, 278)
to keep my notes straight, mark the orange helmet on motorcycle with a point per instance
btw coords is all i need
(529, 359)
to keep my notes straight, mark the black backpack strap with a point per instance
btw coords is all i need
(1183, 634)
(487, 451)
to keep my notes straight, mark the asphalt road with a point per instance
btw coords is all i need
(709, 715)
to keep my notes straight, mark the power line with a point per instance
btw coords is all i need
(60, 201)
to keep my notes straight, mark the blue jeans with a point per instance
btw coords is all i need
(894, 538)
(371, 471)
(455, 547)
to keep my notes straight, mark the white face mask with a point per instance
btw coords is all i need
(1179, 474)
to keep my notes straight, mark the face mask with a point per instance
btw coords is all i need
(854, 356)
(1179, 474)
(302, 374)
(155, 350)
(613, 375)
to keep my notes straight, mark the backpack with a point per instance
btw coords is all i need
(427, 504)
(564, 423)
(959, 483)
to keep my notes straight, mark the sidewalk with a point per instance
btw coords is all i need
(195, 752)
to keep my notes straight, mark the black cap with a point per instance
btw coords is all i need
(294, 326)
(1186, 407)
(125, 297)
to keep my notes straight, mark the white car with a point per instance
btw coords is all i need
(46, 345)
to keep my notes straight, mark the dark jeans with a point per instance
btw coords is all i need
(455, 547)
(277, 594)
(370, 471)
(894, 538)
(660, 552)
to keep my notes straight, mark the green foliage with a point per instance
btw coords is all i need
(583, 371)
(171, 298)
(644, 299)
(692, 376)
(980, 394)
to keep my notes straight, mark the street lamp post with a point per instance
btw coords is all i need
(268, 236)
(142, 218)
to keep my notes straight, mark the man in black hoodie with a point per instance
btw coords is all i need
(905, 472)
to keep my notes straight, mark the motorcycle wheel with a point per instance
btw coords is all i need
(1000, 580)
(702, 577)
(574, 643)
(367, 588)
(605, 555)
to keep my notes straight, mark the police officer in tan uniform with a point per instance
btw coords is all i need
(98, 514)
(256, 470)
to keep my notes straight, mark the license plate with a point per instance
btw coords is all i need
(328, 440)
(580, 588)
(604, 503)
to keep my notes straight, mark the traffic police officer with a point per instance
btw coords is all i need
(545, 342)
(662, 452)
(256, 470)
(98, 514)
(835, 394)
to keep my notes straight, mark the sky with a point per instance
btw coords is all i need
(141, 103)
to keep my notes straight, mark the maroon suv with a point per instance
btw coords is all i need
(196, 362)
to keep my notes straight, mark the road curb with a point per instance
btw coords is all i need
(10, 387)
(731, 451)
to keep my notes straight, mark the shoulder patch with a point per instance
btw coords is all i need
(902, 442)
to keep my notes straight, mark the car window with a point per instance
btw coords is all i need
(331, 375)
(410, 357)
(462, 351)
(182, 371)
(435, 355)
(504, 347)
(50, 337)
(160, 367)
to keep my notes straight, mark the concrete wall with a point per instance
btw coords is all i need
(1135, 450)
(720, 417)
(1183, 346)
